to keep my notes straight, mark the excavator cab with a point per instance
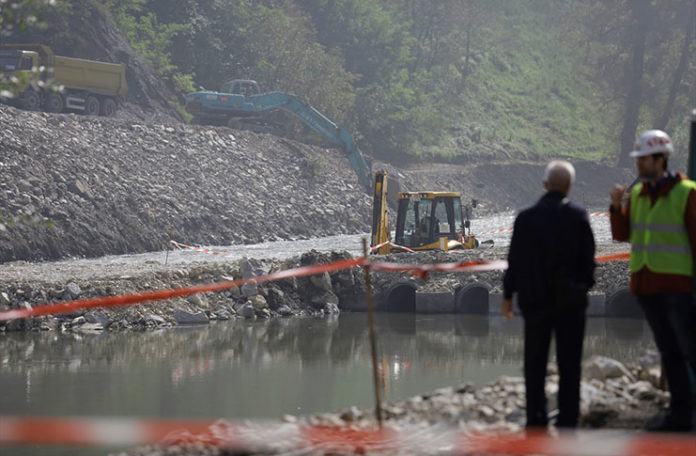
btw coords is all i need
(246, 87)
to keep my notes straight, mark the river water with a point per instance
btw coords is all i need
(267, 368)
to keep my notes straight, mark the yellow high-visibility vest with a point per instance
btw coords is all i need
(659, 239)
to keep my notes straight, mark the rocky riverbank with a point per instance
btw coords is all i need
(30, 284)
(612, 396)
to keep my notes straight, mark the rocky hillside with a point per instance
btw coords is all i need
(74, 185)
(79, 186)
(86, 31)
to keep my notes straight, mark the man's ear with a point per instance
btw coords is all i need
(546, 185)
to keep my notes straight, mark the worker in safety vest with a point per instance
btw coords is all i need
(659, 220)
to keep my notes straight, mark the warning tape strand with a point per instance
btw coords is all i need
(420, 270)
(269, 436)
(397, 246)
(197, 249)
(125, 300)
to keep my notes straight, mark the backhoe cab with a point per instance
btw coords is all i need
(424, 221)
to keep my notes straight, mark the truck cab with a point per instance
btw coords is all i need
(14, 61)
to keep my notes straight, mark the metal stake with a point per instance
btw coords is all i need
(373, 343)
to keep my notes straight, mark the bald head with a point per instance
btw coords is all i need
(559, 176)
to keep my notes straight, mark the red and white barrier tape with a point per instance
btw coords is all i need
(504, 230)
(420, 270)
(397, 246)
(284, 437)
(197, 249)
(126, 300)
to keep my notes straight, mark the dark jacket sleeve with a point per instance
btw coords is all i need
(690, 221)
(586, 251)
(620, 222)
(513, 260)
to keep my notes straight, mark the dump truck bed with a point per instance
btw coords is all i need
(98, 77)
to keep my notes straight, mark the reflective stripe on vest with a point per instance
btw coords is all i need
(659, 239)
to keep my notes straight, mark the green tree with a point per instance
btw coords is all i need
(15, 17)
(398, 110)
(276, 46)
(151, 38)
(374, 41)
(639, 52)
(18, 14)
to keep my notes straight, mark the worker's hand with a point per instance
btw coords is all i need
(506, 309)
(617, 194)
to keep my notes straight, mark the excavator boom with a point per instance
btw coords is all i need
(217, 107)
(381, 235)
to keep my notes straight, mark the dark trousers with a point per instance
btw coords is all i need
(671, 318)
(569, 330)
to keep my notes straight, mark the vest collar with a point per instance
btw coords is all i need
(663, 186)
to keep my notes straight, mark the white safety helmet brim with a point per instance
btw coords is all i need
(652, 142)
(643, 153)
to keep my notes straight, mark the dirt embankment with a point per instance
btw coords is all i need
(79, 186)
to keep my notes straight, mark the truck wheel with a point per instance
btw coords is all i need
(54, 103)
(31, 101)
(108, 107)
(92, 106)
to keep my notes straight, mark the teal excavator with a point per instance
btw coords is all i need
(241, 102)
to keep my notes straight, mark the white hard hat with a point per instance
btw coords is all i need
(652, 142)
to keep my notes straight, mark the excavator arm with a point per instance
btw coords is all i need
(225, 105)
(381, 233)
(322, 125)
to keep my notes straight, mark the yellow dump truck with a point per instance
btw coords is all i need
(87, 86)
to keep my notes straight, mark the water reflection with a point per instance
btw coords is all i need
(269, 368)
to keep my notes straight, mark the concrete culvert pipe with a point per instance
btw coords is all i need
(625, 329)
(400, 297)
(442, 302)
(622, 304)
(472, 298)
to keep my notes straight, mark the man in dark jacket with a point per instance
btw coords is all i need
(550, 267)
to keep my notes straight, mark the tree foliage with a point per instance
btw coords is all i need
(638, 52)
(452, 78)
(150, 37)
(18, 14)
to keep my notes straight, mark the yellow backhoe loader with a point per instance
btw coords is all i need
(425, 221)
